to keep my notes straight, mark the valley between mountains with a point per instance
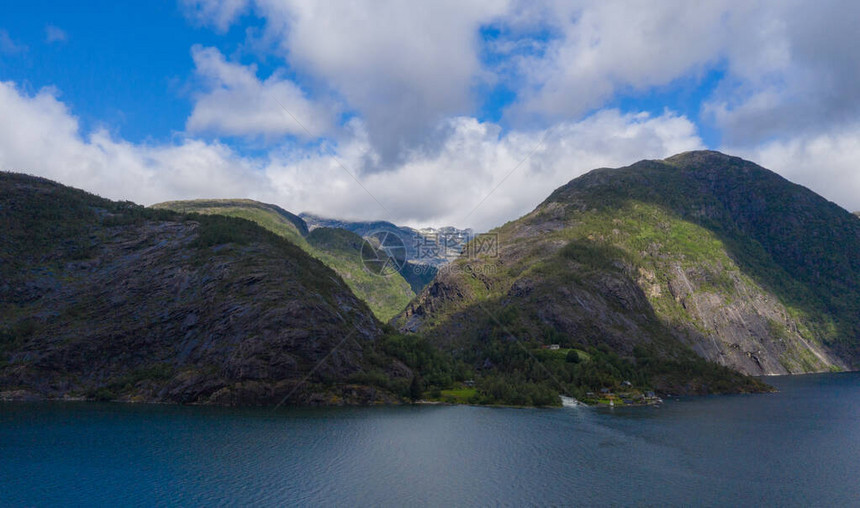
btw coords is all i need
(689, 275)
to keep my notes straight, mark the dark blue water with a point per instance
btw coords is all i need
(798, 447)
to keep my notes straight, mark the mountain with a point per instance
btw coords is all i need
(387, 296)
(698, 256)
(427, 246)
(680, 276)
(271, 217)
(110, 300)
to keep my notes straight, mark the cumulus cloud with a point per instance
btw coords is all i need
(825, 162)
(796, 75)
(595, 49)
(788, 67)
(445, 186)
(404, 66)
(407, 77)
(236, 103)
(39, 135)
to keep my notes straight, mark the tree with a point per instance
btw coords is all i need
(415, 388)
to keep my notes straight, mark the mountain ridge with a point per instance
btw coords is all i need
(112, 301)
(681, 276)
(386, 296)
(701, 252)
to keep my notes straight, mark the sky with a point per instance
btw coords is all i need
(463, 113)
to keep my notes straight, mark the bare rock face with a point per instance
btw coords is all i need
(111, 301)
(749, 329)
(701, 252)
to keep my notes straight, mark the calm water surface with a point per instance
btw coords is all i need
(797, 447)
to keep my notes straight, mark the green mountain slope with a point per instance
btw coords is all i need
(701, 253)
(386, 296)
(271, 217)
(341, 250)
(108, 300)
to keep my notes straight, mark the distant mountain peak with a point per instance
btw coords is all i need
(425, 246)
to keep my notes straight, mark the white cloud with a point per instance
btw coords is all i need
(404, 66)
(596, 49)
(236, 103)
(826, 163)
(788, 100)
(39, 135)
(55, 34)
(443, 186)
(789, 67)
(794, 74)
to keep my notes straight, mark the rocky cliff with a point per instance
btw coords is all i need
(109, 300)
(700, 252)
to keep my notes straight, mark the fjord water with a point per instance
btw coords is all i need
(796, 447)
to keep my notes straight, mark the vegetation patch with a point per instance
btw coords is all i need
(459, 396)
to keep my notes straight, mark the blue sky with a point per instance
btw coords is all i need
(135, 79)
(428, 105)
(124, 65)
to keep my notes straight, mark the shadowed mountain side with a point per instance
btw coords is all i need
(386, 296)
(110, 300)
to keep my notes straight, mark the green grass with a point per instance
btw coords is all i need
(459, 395)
